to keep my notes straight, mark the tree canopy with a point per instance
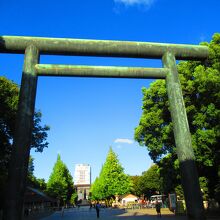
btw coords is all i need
(9, 92)
(201, 91)
(112, 180)
(32, 180)
(135, 189)
(147, 184)
(150, 181)
(60, 183)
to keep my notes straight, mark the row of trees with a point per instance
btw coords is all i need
(60, 184)
(112, 181)
(8, 107)
(201, 90)
(152, 182)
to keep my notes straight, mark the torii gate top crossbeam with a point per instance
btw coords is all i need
(105, 48)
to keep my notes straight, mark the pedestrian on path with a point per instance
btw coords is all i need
(158, 207)
(90, 206)
(97, 208)
(62, 211)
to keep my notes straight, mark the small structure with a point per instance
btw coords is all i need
(128, 198)
(35, 201)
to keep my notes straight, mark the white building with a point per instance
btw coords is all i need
(128, 198)
(82, 175)
(82, 180)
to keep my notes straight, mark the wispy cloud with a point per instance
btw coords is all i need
(123, 141)
(147, 3)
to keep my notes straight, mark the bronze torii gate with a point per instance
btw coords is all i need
(33, 47)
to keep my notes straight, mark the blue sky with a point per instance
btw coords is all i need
(88, 115)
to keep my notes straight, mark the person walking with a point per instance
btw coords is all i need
(158, 207)
(62, 211)
(90, 206)
(97, 208)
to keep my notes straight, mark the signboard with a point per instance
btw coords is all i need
(172, 200)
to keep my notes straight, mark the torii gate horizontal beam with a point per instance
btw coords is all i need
(101, 71)
(105, 48)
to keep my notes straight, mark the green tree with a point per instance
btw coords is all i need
(97, 190)
(203, 186)
(203, 181)
(31, 166)
(135, 189)
(8, 105)
(112, 179)
(179, 192)
(201, 90)
(60, 183)
(33, 181)
(9, 92)
(73, 199)
(150, 182)
(169, 173)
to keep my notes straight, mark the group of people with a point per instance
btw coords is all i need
(98, 207)
(157, 206)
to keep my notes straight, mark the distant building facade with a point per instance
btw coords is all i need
(82, 180)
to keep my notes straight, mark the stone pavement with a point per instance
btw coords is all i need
(84, 213)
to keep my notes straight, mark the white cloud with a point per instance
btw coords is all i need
(135, 2)
(123, 141)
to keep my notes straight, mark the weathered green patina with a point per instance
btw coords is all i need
(22, 137)
(189, 176)
(33, 46)
(101, 71)
(66, 46)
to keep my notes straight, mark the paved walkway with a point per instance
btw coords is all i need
(84, 213)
